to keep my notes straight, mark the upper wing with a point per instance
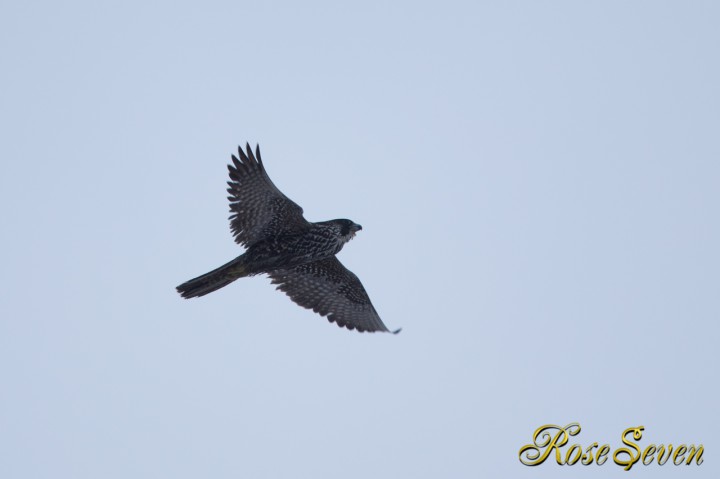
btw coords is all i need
(330, 289)
(258, 208)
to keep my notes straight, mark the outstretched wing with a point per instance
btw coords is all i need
(331, 290)
(258, 208)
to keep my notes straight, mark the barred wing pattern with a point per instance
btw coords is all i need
(258, 208)
(331, 290)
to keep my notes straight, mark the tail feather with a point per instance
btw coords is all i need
(214, 280)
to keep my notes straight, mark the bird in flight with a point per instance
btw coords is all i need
(297, 255)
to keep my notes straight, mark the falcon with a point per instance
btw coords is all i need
(297, 255)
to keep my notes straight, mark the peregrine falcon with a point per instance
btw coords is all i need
(297, 255)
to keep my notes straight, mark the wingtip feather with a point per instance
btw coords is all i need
(241, 154)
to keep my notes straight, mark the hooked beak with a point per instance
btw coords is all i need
(356, 228)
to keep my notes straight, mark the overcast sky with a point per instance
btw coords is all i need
(538, 184)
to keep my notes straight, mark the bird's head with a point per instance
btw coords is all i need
(347, 229)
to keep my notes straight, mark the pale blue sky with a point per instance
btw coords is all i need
(538, 184)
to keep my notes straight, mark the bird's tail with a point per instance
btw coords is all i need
(214, 280)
